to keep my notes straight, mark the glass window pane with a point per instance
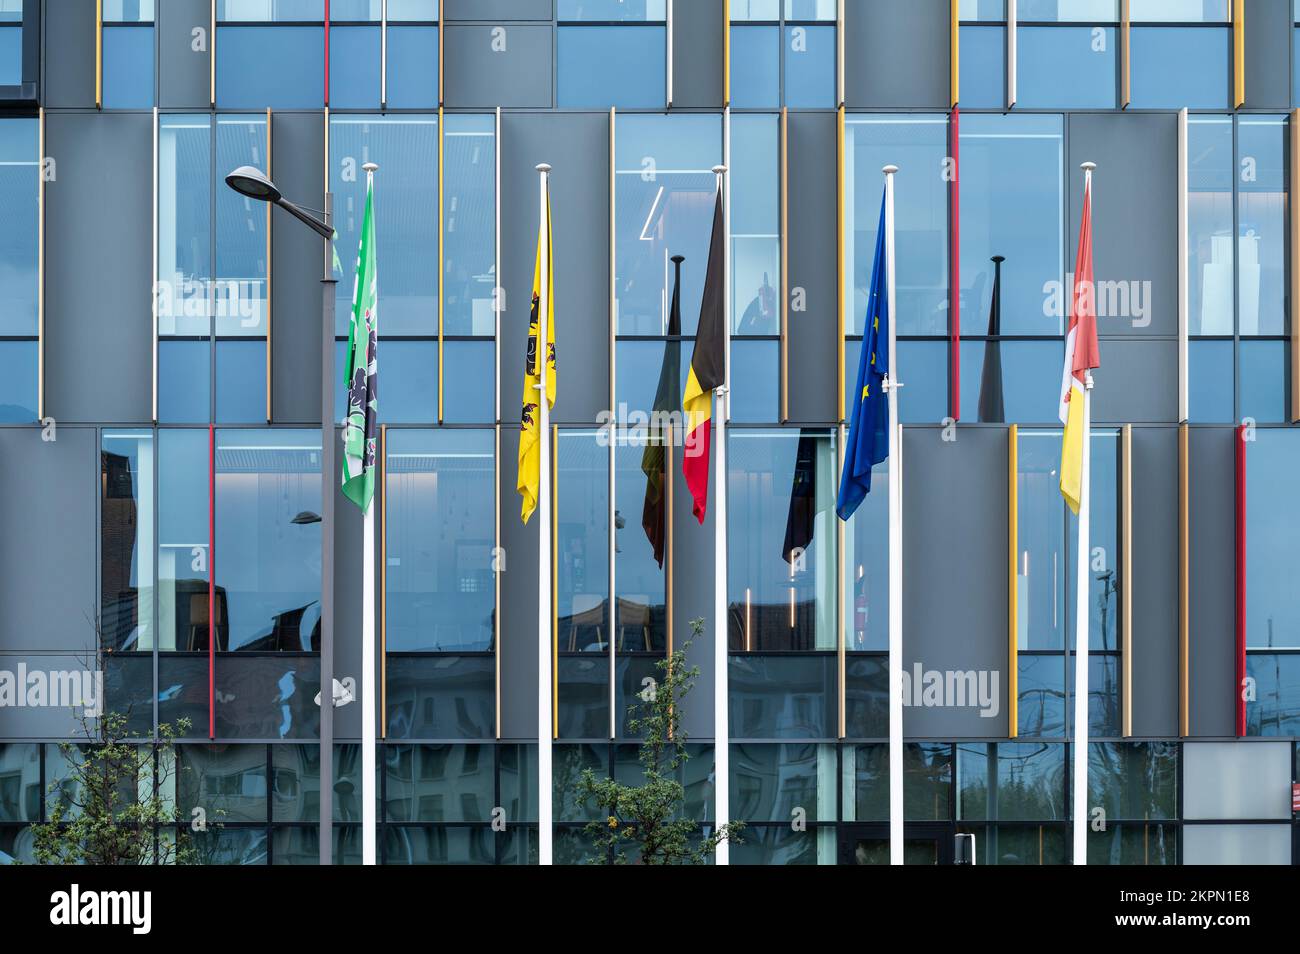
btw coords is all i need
(1088, 11)
(412, 10)
(185, 187)
(1040, 533)
(1275, 710)
(781, 539)
(278, 67)
(1272, 548)
(127, 11)
(19, 196)
(441, 696)
(11, 54)
(20, 783)
(982, 65)
(440, 587)
(755, 66)
(927, 781)
(1180, 66)
(264, 697)
(128, 67)
(982, 10)
(439, 783)
(469, 382)
(183, 542)
(1066, 67)
(629, 61)
(241, 381)
(925, 398)
(866, 565)
(866, 680)
(775, 782)
(406, 213)
(755, 10)
(782, 696)
(1210, 180)
(1020, 378)
(1012, 781)
(412, 66)
(664, 203)
(1103, 541)
(809, 66)
(918, 145)
(1134, 780)
(1042, 698)
(1181, 11)
(756, 379)
(610, 10)
(227, 782)
(810, 9)
(268, 10)
(1133, 844)
(240, 293)
(354, 66)
(18, 383)
(1263, 379)
(342, 11)
(409, 376)
(267, 517)
(469, 226)
(1210, 382)
(1012, 204)
(184, 381)
(1261, 222)
(582, 542)
(640, 545)
(126, 556)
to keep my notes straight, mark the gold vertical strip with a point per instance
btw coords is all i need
(840, 222)
(846, 587)
(99, 54)
(1238, 54)
(270, 174)
(441, 238)
(954, 46)
(1294, 226)
(784, 283)
(1126, 579)
(40, 271)
(726, 53)
(555, 582)
(1125, 64)
(496, 568)
(1013, 582)
(1184, 580)
(383, 584)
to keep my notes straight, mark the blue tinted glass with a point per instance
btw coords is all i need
(1065, 67)
(866, 680)
(782, 696)
(408, 382)
(1191, 11)
(279, 67)
(810, 9)
(469, 224)
(17, 382)
(628, 60)
(19, 197)
(583, 691)
(1180, 66)
(640, 548)
(866, 567)
(183, 374)
(755, 224)
(982, 65)
(1210, 176)
(1275, 710)
(1041, 686)
(640, 366)
(11, 54)
(582, 545)
(1023, 378)
(267, 551)
(742, 10)
(266, 10)
(781, 539)
(128, 67)
(469, 382)
(809, 66)
(183, 540)
(249, 708)
(1012, 781)
(412, 67)
(126, 548)
(755, 66)
(240, 293)
(184, 224)
(1209, 382)
(1041, 558)
(418, 10)
(982, 10)
(1012, 203)
(354, 67)
(1103, 695)
(1060, 11)
(342, 11)
(441, 697)
(775, 782)
(241, 381)
(406, 216)
(1295, 77)
(922, 366)
(607, 10)
(755, 381)
(1261, 225)
(1263, 380)
(1272, 547)
(440, 588)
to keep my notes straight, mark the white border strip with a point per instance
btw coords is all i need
(1182, 267)
(1011, 53)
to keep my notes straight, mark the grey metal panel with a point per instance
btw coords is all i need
(1155, 581)
(347, 604)
(1137, 382)
(812, 247)
(1134, 217)
(298, 155)
(69, 55)
(477, 75)
(496, 10)
(1268, 54)
(694, 567)
(697, 53)
(184, 73)
(518, 627)
(577, 147)
(99, 230)
(898, 54)
(955, 571)
(1212, 642)
(48, 492)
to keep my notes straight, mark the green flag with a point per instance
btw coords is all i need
(361, 426)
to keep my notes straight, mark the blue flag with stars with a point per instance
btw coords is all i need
(868, 441)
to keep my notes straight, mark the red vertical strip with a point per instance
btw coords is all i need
(212, 592)
(327, 52)
(954, 268)
(1241, 579)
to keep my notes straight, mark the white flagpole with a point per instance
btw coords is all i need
(895, 548)
(1081, 604)
(544, 728)
(721, 730)
(369, 695)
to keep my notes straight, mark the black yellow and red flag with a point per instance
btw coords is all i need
(708, 370)
(654, 460)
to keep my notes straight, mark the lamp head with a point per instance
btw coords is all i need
(249, 181)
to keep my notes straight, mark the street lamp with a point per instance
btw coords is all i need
(253, 184)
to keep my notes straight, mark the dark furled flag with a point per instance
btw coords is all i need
(708, 370)
(654, 461)
(803, 498)
(991, 410)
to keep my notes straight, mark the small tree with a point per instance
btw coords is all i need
(648, 818)
(112, 808)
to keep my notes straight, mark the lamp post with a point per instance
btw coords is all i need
(250, 182)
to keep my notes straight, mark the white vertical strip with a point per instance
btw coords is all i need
(1080, 769)
(721, 730)
(1183, 291)
(725, 185)
(383, 59)
(1011, 53)
(154, 264)
(895, 549)
(613, 428)
(668, 78)
(368, 683)
(498, 301)
(544, 725)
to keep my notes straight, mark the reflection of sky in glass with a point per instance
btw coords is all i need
(241, 229)
(982, 64)
(1209, 217)
(1175, 67)
(638, 577)
(582, 542)
(469, 226)
(630, 61)
(755, 226)
(1261, 223)
(19, 189)
(1272, 548)
(866, 567)
(1065, 68)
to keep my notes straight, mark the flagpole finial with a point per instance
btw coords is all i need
(370, 166)
(1088, 166)
(677, 259)
(889, 170)
(719, 169)
(543, 167)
